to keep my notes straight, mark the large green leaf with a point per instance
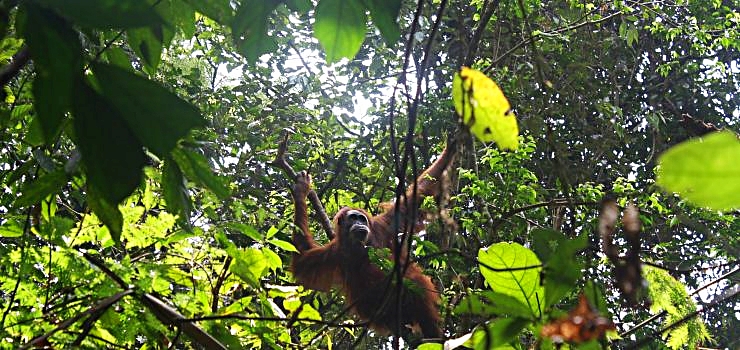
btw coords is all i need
(196, 167)
(112, 155)
(562, 268)
(157, 117)
(488, 303)
(107, 212)
(56, 52)
(249, 28)
(175, 192)
(497, 333)
(218, 10)
(106, 13)
(705, 171)
(516, 275)
(249, 264)
(147, 43)
(340, 27)
(384, 14)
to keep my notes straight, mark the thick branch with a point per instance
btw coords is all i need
(10, 70)
(281, 163)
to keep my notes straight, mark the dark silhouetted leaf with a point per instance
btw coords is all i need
(106, 13)
(218, 10)
(41, 188)
(301, 6)
(56, 52)
(562, 268)
(147, 42)
(107, 212)
(157, 117)
(175, 192)
(498, 332)
(249, 28)
(196, 168)
(384, 14)
(112, 155)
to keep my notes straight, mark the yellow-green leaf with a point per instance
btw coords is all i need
(704, 171)
(483, 108)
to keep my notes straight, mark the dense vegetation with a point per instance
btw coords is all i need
(140, 207)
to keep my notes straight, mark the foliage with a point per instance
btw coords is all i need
(670, 296)
(704, 171)
(139, 208)
(482, 106)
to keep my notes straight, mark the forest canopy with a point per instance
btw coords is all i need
(149, 148)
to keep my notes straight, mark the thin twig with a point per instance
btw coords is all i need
(102, 305)
(281, 163)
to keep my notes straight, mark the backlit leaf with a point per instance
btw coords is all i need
(483, 108)
(704, 171)
(518, 273)
(340, 27)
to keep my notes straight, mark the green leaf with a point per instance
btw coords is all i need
(106, 13)
(632, 36)
(249, 28)
(147, 43)
(56, 52)
(218, 10)
(178, 14)
(669, 295)
(300, 6)
(287, 246)
(157, 117)
(340, 27)
(384, 14)
(113, 156)
(562, 268)
(488, 303)
(483, 108)
(247, 230)
(117, 56)
(249, 264)
(11, 229)
(196, 168)
(704, 171)
(44, 186)
(521, 284)
(107, 212)
(175, 192)
(272, 259)
(498, 332)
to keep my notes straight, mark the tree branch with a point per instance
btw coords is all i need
(10, 70)
(281, 163)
